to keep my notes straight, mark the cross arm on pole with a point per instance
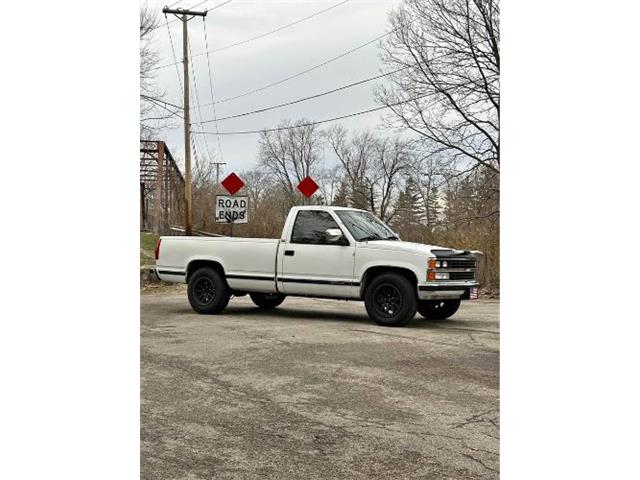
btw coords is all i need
(183, 11)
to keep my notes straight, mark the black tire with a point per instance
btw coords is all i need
(208, 291)
(391, 300)
(267, 300)
(438, 309)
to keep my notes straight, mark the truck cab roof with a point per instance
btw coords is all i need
(325, 207)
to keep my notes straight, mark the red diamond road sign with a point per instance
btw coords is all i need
(232, 183)
(308, 186)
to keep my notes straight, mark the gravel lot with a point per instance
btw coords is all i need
(315, 389)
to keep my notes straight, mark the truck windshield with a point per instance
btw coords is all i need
(365, 226)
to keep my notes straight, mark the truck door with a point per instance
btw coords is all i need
(311, 264)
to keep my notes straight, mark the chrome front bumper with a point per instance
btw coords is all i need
(446, 290)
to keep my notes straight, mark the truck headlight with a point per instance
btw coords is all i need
(433, 264)
(442, 275)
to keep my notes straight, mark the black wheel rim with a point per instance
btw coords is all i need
(387, 300)
(204, 290)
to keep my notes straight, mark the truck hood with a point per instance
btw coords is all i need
(410, 247)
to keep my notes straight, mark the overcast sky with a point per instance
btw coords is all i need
(269, 59)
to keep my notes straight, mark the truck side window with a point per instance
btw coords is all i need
(310, 228)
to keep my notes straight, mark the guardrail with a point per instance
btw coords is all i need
(197, 233)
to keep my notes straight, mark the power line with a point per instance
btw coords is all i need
(261, 35)
(147, 97)
(278, 29)
(247, 132)
(219, 5)
(195, 89)
(173, 51)
(195, 150)
(213, 100)
(318, 122)
(293, 102)
(162, 103)
(212, 8)
(337, 57)
(299, 74)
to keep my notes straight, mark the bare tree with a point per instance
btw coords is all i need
(392, 158)
(329, 180)
(448, 88)
(355, 154)
(258, 181)
(371, 166)
(447, 91)
(203, 173)
(203, 193)
(291, 154)
(154, 111)
(471, 219)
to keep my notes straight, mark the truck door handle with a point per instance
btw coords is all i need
(289, 253)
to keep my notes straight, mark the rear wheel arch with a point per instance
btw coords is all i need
(194, 265)
(373, 272)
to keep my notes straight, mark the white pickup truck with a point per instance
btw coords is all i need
(326, 252)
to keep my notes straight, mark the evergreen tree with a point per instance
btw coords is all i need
(409, 218)
(341, 198)
(432, 211)
(359, 196)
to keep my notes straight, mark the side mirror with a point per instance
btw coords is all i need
(333, 234)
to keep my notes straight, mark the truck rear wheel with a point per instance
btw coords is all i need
(438, 309)
(208, 291)
(390, 300)
(267, 300)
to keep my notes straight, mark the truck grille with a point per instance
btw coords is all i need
(461, 275)
(459, 268)
(462, 263)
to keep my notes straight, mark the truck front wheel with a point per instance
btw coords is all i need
(438, 309)
(390, 300)
(267, 300)
(208, 291)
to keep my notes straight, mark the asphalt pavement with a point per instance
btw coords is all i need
(314, 389)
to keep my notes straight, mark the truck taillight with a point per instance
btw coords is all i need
(156, 252)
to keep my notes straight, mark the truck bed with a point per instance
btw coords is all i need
(249, 263)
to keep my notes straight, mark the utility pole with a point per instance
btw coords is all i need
(185, 16)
